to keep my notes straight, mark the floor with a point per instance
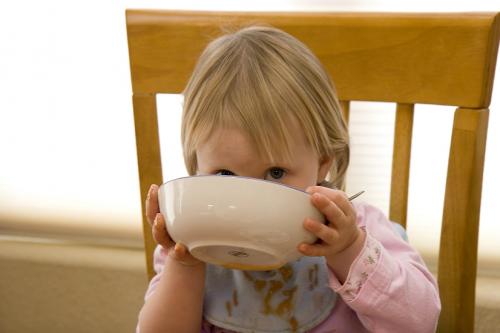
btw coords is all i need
(61, 287)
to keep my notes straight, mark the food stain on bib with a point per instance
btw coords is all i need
(273, 291)
(230, 303)
(286, 273)
(293, 324)
(313, 276)
(259, 285)
(286, 306)
(248, 276)
(235, 297)
(274, 287)
(277, 301)
(229, 309)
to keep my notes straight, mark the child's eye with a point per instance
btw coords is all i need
(225, 173)
(276, 173)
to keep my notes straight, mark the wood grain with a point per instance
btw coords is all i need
(345, 110)
(388, 57)
(459, 235)
(149, 161)
(400, 178)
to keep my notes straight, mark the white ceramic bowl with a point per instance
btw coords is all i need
(237, 222)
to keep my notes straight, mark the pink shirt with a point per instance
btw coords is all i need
(388, 289)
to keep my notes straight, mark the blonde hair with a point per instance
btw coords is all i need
(256, 79)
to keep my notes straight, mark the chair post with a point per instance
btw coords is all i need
(458, 262)
(401, 163)
(346, 108)
(149, 161)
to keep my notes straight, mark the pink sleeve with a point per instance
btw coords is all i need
(362, 267)
(388, 286)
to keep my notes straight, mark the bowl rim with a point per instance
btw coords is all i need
(237, 177)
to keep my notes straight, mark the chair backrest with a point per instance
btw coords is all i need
(446, 59)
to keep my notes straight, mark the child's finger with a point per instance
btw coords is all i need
(331, 211)
(329, 192)
(338, 197)
(343, 203)
(181, 253)
(313, 250)
(322, 231)
(152, 206)
(160, 234)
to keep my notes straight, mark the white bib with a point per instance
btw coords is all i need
(293, 298)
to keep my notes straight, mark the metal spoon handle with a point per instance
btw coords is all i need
(352, 197)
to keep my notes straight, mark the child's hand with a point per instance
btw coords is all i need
(340, 235)
(177, 251)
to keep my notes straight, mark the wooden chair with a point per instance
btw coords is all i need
(446, 59)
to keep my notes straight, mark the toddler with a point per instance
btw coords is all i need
(259, 104)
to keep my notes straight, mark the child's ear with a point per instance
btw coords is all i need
(325, 163)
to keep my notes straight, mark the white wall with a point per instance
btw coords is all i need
(67, 146)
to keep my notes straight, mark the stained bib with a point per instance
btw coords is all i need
(293, 298)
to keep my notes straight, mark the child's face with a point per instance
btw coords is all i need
(230, 152)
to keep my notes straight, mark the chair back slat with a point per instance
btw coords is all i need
(400, 178)
(387, 57)
(149, 161)
(460, 228)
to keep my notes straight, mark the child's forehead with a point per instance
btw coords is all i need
(227, 137)
(267, 146)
